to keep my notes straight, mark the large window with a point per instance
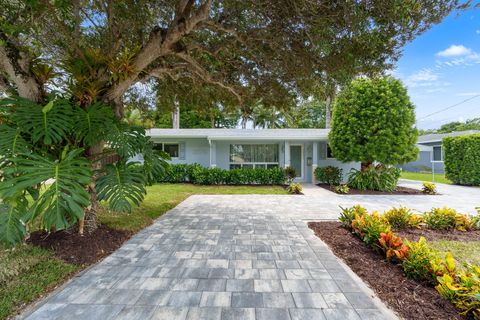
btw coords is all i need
(437, 154)
(171, 149)
(253, 156)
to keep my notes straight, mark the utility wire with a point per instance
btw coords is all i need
(449, 107)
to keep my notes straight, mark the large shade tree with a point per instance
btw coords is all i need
(78, 58)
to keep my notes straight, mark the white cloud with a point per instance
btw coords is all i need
(423, 75)
(477, 31)
(425, 78)
(455, 51)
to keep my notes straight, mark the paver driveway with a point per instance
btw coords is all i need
(219, 257)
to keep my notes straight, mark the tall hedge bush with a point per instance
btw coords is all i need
(462, 159)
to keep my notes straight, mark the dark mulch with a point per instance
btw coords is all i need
(73, 248)
(409, 298)
(398, 191)
(436, 235)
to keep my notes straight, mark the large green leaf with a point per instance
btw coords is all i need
(93, 123)
(12, 228)
(50, 123)
(62, 202)
(11, 141)
(126, 140)
(121, 185)
(154, 162)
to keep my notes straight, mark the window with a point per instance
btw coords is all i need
(437, 154)
(329, 152)
(172, 149)
(253, 156)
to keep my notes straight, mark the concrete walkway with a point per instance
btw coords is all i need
(236, 257)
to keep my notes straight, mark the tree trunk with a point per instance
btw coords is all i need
(328, 111)
(176, 115)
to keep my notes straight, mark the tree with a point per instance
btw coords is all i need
(471, 124)
(373, 120)
(93, 52)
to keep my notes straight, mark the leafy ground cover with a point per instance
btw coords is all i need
(424, 176)
(28, 272)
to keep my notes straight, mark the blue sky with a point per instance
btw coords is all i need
(442, 67)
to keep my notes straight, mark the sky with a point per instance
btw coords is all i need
(441, 68)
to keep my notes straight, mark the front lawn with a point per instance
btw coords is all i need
(463, 251)
(28, 272)
(423, 176)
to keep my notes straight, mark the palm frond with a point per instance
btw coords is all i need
(121, 185)
(63, 201)
(49, 124)
(93, 123)
(154, 162)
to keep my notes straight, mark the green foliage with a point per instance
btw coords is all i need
(416, 264)
(400, 218)
(347, 215)
(369, 227)
(440, 218)
(62, 202)
(294, 188)
(46, 146)
(342, 189)
(378, 177)
(462, 159)
(121, 185)
(290, 173)
(373, 120)
(195, 173)
(330, 175)
(429, 188)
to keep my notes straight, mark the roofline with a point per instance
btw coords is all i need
(215, 136)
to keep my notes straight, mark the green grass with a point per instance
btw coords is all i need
(163, 197)
(468, 251)
(28, 272)
(420, 176)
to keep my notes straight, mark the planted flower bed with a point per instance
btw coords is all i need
(413, 278)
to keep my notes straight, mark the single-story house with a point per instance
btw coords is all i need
(303, 149)
(430, 156)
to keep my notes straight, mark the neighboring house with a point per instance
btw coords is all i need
(303, 149)
(430, 155)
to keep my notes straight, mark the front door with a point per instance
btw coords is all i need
(296, 159)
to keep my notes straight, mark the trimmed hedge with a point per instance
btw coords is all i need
(329, 174)
(197, 174)
(462, 159)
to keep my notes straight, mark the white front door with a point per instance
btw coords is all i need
(296, 159)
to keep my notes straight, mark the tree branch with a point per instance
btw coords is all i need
(203, 74)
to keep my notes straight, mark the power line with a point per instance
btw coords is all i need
(449, 107)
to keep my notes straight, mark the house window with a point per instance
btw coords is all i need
(329, 152)
(437, 155)
(253, 156)
(172, 149)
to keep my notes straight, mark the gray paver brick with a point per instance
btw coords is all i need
(238, 314)
(204, 314)
(247, 300)
(216, 299)
(268, 286)
(240, 285)
(272, 314)
(307, 314)
(184, 299)
(309, 300)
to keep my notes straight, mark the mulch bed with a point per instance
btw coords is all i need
(409, 298)
(398, 191)
(73, 248)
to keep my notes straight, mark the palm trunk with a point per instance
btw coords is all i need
(328, 112)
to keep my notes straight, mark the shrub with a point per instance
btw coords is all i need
(195, 173)
(290, 174)
(440, 218)
(330, 175)
(369, 227)
(462, 159)
(393, 246)
(348, 215)
(342, 189)
(416, 264)
(400, 218)
(378, 177)
(294, 188)
(429, 188)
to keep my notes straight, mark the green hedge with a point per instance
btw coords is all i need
(462, 159)
(329, 174)
(195, 173)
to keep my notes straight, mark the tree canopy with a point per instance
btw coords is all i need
(373, 120)
(273, 50)
(471, 124)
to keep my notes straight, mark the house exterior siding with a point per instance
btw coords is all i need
(212, 149)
